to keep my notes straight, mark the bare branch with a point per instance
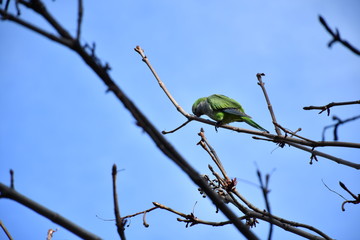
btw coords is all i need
(6, 192)
(333, 190)
(5, 231)
(139, 50)
(6, 4)
(120, 222)
(211, 151)
(336, 126)
(12, 179)
(292, 226)
(336, 37)
(79, 20)
(272, 219)
(265, 191)
(39, 7)
(182, 125)
(262, 85)
(292, 134)
(8, 16)
(190, 219)
(142, 212)
(356, 197)
(328, 106)
(327, 156)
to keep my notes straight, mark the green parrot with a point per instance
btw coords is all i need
(223, 110)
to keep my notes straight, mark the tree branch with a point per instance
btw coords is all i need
(5, 231)
(139, 50)
(8, 16)
(336, 126)
(336, 37)
(356, 197)
(262, 85)
(79, 20)
(328, 106)
(265, 191)
(275, 138)
(191, 218)
(6, 192)
(120, 223)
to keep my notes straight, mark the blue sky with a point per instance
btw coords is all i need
(61, 133)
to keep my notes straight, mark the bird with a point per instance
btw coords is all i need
(223, 110)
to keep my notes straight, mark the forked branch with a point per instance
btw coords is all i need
(330, 105)
(336, 37)
(295, 140)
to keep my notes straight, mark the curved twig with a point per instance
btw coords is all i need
(174, 130)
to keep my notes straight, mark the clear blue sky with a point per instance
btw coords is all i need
(61, 133)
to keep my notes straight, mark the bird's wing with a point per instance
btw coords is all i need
(225, 104)
(235, 111)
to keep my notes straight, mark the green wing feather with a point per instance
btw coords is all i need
(225, 104)
(233, 109)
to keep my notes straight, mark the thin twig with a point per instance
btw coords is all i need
(39, 7)
(7, 233)
(356, 197)
(174, 130)
(211, 151)
(336, 126)
(120, 223)
(142, 212)
(328, 106)
(79, 20)
(6, 5)
(291, 226)
(144, 215)
(294, 133)
(139, 50)
(265, 191)
(191, 219)
(333, 190)
(12, 179)
(336, 37)
(262, 85)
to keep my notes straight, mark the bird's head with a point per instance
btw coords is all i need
(196, 109)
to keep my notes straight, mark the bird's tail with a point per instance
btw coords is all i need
(253, 124)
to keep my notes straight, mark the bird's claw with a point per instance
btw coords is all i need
(217, 125)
